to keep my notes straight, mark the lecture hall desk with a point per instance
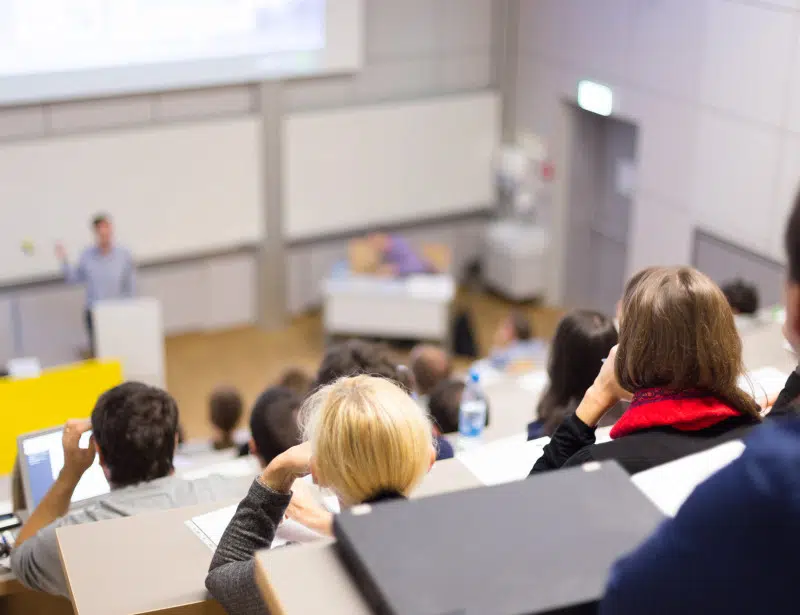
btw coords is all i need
(152, 563)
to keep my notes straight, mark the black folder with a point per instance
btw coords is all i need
(543, 545)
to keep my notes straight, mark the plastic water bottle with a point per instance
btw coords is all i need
(472, 413)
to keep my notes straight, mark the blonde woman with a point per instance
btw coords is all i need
(679, 357)
(367, 441)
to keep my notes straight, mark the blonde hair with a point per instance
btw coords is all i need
(367, 437)
(677, 332)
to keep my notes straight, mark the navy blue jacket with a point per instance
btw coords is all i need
(734, 546)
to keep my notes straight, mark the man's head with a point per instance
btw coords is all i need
(103, 231)
(135, 427)
(225, 412)
(356, 357)
(444, 405)
(792, 243)
(742, 297)
(430, 366)
(515, 328)
(274, 423)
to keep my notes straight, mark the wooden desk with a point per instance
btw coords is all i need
(310, 578)
(152, 563)
(16, 599)
(149, 563)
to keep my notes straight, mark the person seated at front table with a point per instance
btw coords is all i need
(397, 258)
(394, 452)
(514, 343)
(274, 424)
(134, 433)
(680, 357)
(582, 342)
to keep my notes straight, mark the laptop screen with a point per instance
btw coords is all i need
(41, 459)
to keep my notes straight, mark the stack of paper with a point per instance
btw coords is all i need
(210, 527)
(669, 485)
(503, 461)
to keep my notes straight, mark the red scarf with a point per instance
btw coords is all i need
(685, 410)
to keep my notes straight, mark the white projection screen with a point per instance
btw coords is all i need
(62, 49)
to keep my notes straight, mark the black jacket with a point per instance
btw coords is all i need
(573, 443)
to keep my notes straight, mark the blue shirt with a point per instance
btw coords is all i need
(734, 546)
(528, 350)
(107, 276)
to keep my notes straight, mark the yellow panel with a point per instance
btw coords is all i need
(50, 400)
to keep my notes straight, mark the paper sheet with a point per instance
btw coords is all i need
(669, 485)
(764, 384)
(210, 527)
(503, 461)
(235, 468)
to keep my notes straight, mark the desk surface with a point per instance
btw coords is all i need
(310, 578)
(9, 584)
(158, 552)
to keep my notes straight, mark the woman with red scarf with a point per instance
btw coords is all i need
(678, 360)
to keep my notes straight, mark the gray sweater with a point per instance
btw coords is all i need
(231, 577)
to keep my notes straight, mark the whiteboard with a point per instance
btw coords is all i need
(358, 167)
(173, 191)
(62, 49)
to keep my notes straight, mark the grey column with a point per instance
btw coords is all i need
(272, 255)
(505, 61)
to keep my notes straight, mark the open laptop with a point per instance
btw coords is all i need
(541, 545)
(41, 457)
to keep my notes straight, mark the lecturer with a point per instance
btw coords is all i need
(107, 270)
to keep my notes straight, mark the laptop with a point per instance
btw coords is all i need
(542, 545)
(41, 457)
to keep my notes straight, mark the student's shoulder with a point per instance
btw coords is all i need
(772, 457)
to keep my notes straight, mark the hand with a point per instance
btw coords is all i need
(604, 393)
(76, 459)
(287, 467)
(791, 337)
(304, 509)
(61, 253)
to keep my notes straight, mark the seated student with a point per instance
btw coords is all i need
(680, 356)
(445, 405)
(274, 424)
(225, 411)
(742, 297)
(394, 451)
(296, 380)
(514, 342)
(430, 365)
(397, 257)
(733, 546)
(582, 342)
(134, 434)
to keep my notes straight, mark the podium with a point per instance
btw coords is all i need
(132, 331)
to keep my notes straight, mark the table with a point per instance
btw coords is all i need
(158, 552)
(416, 307)
(311, 579)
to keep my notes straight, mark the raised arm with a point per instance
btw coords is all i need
(72, 275)
(231, 576)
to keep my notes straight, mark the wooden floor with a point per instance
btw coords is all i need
(251, 359)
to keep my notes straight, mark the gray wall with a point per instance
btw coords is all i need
(414, 49)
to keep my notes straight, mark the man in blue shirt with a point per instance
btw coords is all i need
(734, 546)
(107, 270)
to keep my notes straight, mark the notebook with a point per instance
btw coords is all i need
(542, 545)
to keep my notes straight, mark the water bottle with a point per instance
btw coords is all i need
(472, 413)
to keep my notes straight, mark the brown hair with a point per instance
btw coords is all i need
(225, 411)
(677, 332)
